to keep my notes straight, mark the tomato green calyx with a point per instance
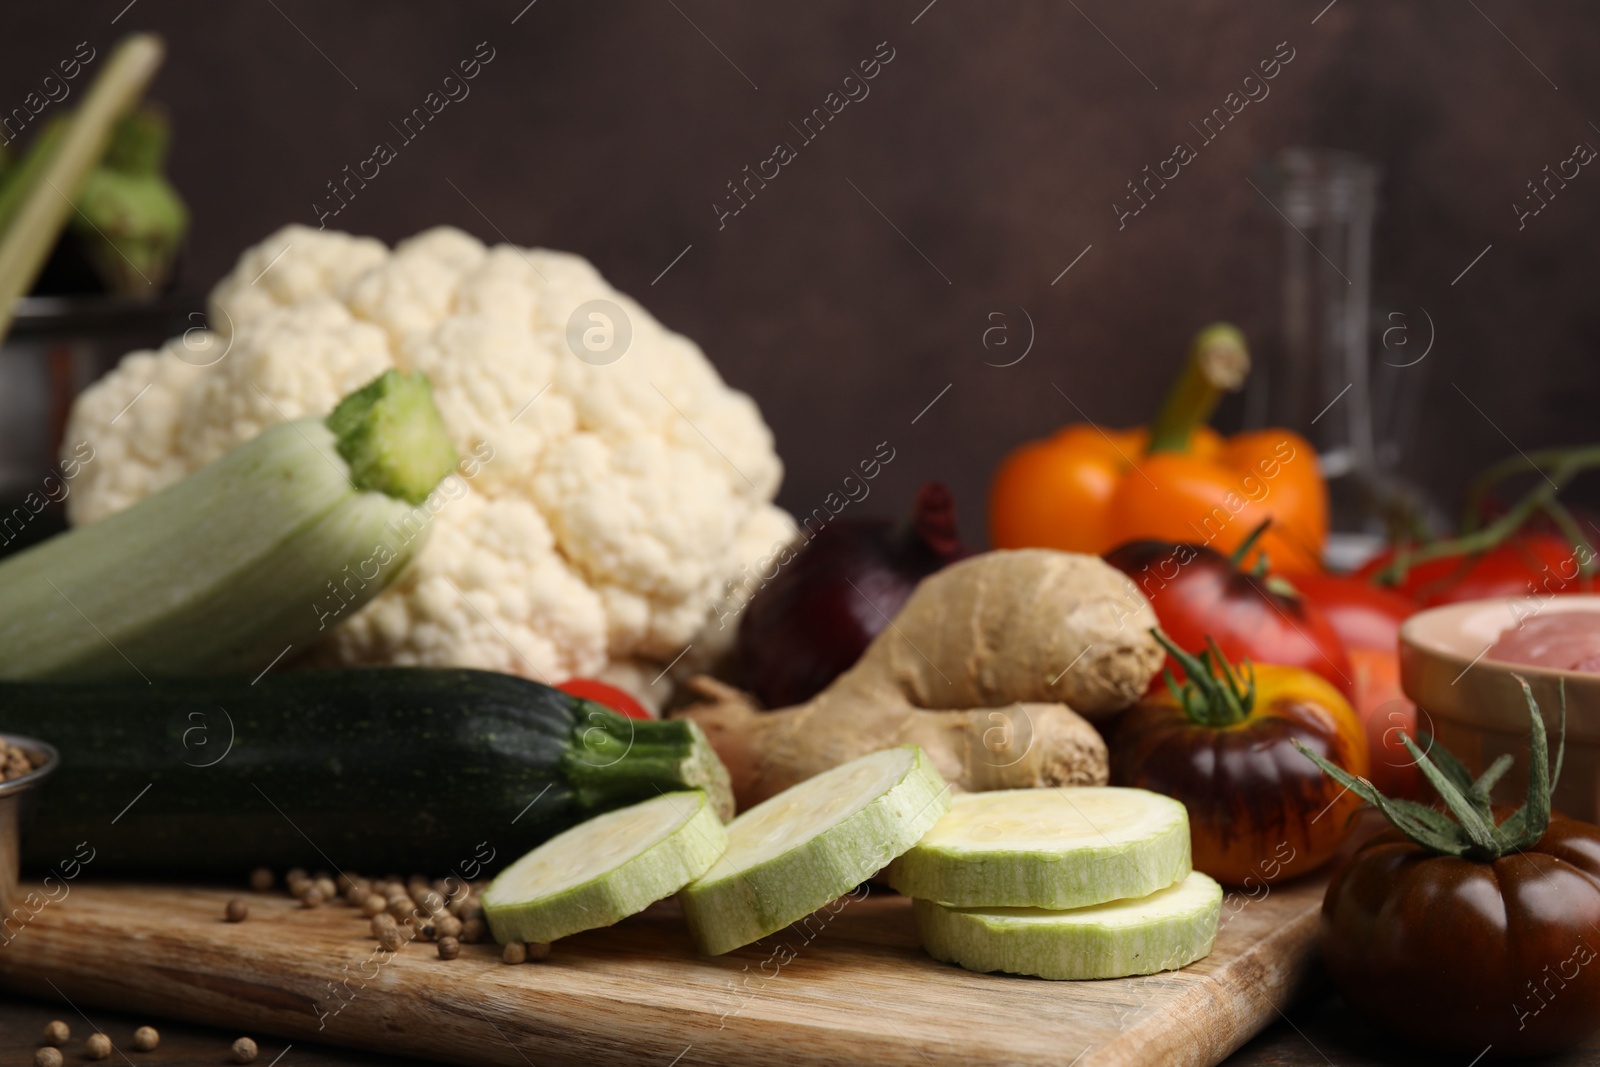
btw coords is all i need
(1471, 833)
(1249, 542)
(1214, 693)
(1218, 362)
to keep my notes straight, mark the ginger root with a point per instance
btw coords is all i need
(987, 667)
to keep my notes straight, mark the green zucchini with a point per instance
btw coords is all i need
(252, 556)
(377, 770)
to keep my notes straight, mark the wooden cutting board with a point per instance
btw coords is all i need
(852, 987)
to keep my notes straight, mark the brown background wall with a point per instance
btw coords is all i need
(996, 141)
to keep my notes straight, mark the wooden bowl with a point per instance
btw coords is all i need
(1473, 705)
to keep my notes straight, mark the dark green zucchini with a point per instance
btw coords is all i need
(378, 771)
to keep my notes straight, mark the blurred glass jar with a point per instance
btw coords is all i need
(1350, 384)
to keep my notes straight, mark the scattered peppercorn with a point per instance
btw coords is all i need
(514, 952)
(237, 911)
(244, 1051)
(387, 931)
(538, 950)
(98, 1047)
(146, 1038)
(47, 1057)
(261, 879)
(449, 948)
(57, 1032)
(401, 907)
(472, 931)
(373, 905)
(311, 898)
(327, 888)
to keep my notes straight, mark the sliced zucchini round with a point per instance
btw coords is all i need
(812, 843)
(1048, 848)
(1168, 929)
(601, 871)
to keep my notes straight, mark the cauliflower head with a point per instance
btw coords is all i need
(611, 484)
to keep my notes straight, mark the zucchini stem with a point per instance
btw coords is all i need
(391, 435)
(614, 760)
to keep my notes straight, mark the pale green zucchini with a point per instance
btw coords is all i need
(811, 844)
(1048, 848)
(250, 558)
(1168, 929)
(604, 870)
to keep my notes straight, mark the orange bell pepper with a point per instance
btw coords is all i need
(1087, 488)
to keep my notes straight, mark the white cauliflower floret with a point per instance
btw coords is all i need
(601, 509)
(296, 263)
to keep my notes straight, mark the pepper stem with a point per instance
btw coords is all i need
(1218, 363)
(1213, 693)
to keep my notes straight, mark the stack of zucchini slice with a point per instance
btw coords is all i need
(1069, 883)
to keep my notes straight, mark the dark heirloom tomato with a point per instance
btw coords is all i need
(1461, 954)
(1474, 931)
(1197, 592)
(1259, 811)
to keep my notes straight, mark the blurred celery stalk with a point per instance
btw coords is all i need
(130, 219)
(45, 198)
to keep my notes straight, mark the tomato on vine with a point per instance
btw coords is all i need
(1474, 929)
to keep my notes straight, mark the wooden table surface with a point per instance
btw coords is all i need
(1320, 1031)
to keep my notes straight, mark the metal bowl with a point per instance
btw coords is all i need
(13, 793)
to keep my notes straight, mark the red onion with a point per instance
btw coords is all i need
(812, 622)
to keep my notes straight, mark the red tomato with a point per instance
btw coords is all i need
(606, 695)
(1367, 619)
(1364, 615)
(1197, 591)
(1532, 563)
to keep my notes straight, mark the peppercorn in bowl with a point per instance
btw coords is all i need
(24, 764)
